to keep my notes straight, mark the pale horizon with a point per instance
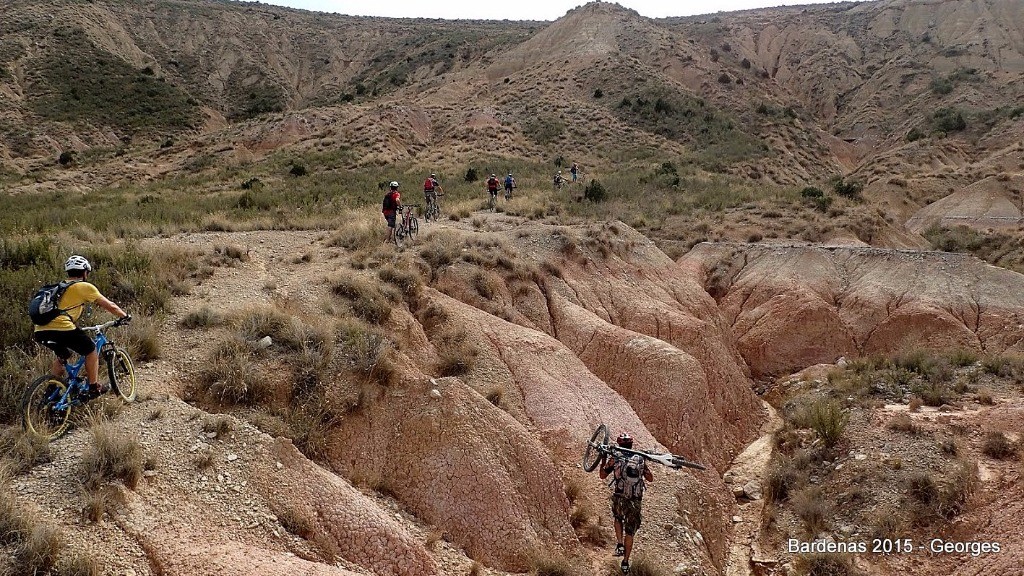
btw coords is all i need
(540, 10)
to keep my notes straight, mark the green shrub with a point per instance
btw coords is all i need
(941, 85)
(812, 192)
(847, 189)
(948, 120)
(471, 175)
(595, 192)
(827, 418)
(914, 134)
(297, 170)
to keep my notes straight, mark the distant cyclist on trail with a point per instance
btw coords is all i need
(510, 184)
(431, 190)
(391, 205)
(574, 170)
(492, 186)
(63, 336)
(629, 477)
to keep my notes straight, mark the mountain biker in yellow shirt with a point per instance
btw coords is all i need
(62, 335)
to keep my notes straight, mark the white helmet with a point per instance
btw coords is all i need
(77, 262)
(394, 184)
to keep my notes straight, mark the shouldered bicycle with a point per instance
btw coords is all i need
(47, 404)
(599, 445)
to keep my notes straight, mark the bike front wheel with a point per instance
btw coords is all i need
(414, 227)
(121, 371)
(592, 454)
(38, 408)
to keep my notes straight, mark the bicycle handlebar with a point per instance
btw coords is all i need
(110, 324)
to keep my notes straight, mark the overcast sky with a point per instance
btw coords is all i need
(521, 9)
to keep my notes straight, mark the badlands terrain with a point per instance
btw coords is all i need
(794, 258)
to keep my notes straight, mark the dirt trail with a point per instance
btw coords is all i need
(749, 469)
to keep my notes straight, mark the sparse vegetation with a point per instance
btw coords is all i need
(997, 446)
(112, 455)
(204, 317)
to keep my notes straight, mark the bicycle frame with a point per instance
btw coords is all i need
(670, 460)
(76, 384)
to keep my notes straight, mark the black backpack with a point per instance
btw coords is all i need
(43, 307)
(389, 201)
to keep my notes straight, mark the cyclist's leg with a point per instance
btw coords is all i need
(391, 227)
(80, 342)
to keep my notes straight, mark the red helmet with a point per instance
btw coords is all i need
(624, 440)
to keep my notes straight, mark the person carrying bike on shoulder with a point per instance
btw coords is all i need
(431, 190)
(63, 336)
(391, 205)
(492, 186)
(510, 184)
(629, 474)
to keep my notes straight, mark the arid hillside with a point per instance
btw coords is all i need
(788, 95)
(793, 255)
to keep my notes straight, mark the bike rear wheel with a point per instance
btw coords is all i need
(592, 455)
(414, 227)
(121, 371)
(37, 408)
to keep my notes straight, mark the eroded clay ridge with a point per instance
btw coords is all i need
(794, 306)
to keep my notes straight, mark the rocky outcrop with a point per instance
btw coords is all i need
(794, 306)
(360, 531)
(991, 203)
(460, 464)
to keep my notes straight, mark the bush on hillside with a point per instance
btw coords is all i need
(595, 192)
(914, 134)
(949, 120)
(847, 188)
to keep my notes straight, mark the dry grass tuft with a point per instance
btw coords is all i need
(23, 451)
(408, 282)
(143, 337)
(368, 299)
(825, 565)
(434, 538)
(78, 564)
(552, 564)
(39, 549)
(903, 423)
(997, 445)
(112, 455)
(231, 376)
(204, 317)
(219, 426)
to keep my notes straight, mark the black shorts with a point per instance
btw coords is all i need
(64, 342)
(391, 220)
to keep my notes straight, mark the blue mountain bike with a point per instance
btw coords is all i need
(48, 402)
